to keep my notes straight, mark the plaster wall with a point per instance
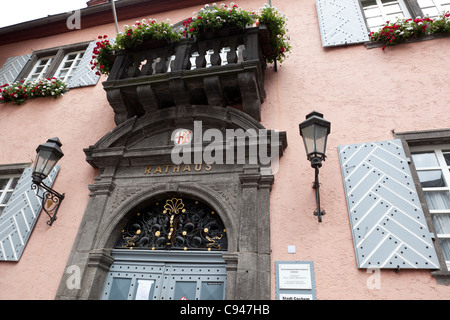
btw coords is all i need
(366, 94)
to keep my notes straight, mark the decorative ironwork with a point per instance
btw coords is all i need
(180, 224)
(51, 200)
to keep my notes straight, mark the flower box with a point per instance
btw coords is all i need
(150, 44)
(223, 32)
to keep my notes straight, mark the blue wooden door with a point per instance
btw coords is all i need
(165, 281)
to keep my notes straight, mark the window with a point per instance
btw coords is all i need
(433, 169)
(7, 186)
(20, 207)
(344, 22)
(377, 12)
(61, 62)
(69, 65)
(433, 8)
(40, 68)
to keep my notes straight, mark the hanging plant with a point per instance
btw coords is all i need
(20, 91)
(213, 18)
(277, 24)
(145, 30)
(393, 33)
(103, 56)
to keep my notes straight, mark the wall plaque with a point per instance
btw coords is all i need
(295, 280)
(294, 276)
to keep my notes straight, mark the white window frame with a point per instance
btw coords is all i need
(445, 169)
(382, 7)
(59, 56)
(441, 6)
(34, 75)
(70, 68)
(6, 190)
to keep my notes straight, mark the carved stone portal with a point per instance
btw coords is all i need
(136, 172)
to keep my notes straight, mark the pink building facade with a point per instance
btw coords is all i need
(384, 185)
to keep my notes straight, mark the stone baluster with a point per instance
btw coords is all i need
(215, 57)
(147, 69)
(200, 61)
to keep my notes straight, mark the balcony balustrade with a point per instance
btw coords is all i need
(217, 70)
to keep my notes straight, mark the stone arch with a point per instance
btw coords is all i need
(110, 231)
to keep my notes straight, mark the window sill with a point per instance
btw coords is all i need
(371, 45)
(442, 277)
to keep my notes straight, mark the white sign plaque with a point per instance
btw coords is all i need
(143, 289)
(294, 276)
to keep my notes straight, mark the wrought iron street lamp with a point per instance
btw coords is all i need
(314, 131)
(48, 154)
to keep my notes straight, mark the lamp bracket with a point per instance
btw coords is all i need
(51, 200)
(316, 185)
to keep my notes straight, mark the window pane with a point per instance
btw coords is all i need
(430, 12)
(442, 223)
(367, 3)
(445, 246)
(395, 16)
(375, 22)
(3, 183)
(447, 157)
(425, 3)
(6, 198)
(1, 209)
(395, 8)
(437, 200)
(13, 184)
(372, 13)
(424, 160)
(430, 179)
(119, 289)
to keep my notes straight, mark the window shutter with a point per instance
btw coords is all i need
(12, 68)
(341, 22)
(84, 75)
(388, 224)
(20, 216)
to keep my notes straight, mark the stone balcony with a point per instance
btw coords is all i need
(218, 70)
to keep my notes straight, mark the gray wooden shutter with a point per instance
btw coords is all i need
(84, 75)
(12, 68)
(20, 215)
(341, 22)
(388, 224)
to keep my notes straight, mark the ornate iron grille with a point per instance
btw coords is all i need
(181, 224)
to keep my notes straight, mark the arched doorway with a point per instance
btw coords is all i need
(169, 250)
(135, 168)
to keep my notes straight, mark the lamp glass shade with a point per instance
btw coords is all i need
(48, 154)
(314, 131)
(315, 139)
